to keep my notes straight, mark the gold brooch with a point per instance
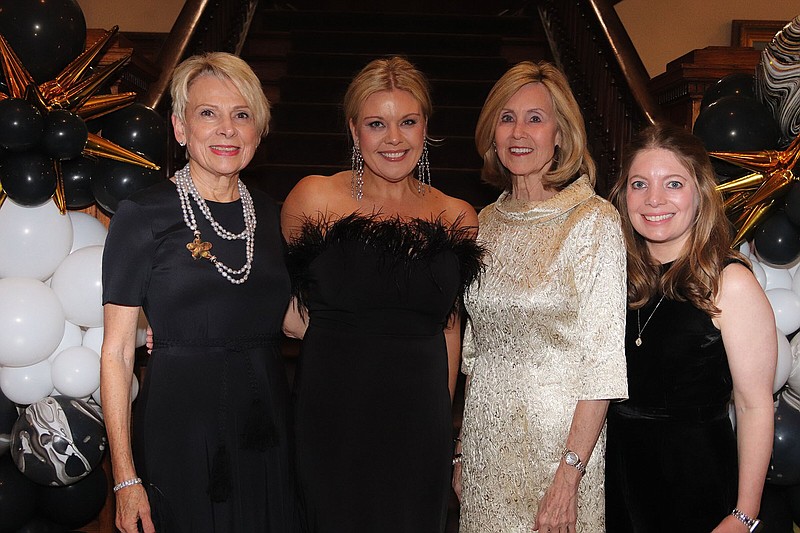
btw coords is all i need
(199, 248)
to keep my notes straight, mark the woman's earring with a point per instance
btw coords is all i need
(357, 180)
(424, 170)
(181, 143)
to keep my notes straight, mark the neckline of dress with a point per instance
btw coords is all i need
(573, 195)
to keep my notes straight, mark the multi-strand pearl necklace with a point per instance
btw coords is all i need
(200, 249)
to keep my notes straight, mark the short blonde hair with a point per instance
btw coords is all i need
(385, 75)
(573, 154)
(226, 67)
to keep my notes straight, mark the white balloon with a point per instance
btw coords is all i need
(786, 306)
(78, 282)
(27, 384)
(745, 249)
(134, 391)
(33, 240)
(794, 376)
(761, 276)
(784, 364)
(141, 330)
(93, 339)
(31, 321)
(73, 336)
(777, 278)
(76, 372)
(86, 230)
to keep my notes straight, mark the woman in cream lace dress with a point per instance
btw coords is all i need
(544, 352)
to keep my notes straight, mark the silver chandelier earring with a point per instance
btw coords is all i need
(424, 170)
(357, 180)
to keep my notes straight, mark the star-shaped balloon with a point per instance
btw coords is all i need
(751, 198)
(73, 90)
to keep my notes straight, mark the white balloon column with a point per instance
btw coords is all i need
(51, 312)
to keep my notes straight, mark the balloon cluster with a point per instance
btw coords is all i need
(751, 126)
(46, 148)
(52, 437)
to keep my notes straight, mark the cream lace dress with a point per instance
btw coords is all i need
(547, 330)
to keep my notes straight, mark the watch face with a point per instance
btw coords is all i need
(571, 458)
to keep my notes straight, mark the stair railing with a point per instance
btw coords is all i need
(590, 44)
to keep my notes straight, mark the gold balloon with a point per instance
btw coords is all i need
(97, 146)
(60, 197)
(97, 106)
(772, 174)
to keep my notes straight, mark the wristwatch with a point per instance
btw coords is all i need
(572, 459)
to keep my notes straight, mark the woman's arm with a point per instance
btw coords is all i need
(748, 332)
(452, 338)
(116, 370)
(559, 506)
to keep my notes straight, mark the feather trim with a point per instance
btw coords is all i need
(399, 240)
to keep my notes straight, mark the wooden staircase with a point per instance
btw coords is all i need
(306, 59)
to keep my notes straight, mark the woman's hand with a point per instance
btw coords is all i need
(457, 470)
(132, 506)
(558, 509)
(149, 342)
(730, 524)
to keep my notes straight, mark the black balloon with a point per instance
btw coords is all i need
(738, 84)
(77, 175)
(29, 178)
(784, 469)
(17, 497)
(777, 240)
(8, 415)
(46, 34)
(65, 134)
(21, 124)
(58, 441)
(138, 128)
(115, 181)
(74, 505)
(39, 524)
(736, 124)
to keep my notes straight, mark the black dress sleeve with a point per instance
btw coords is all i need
(128, 256)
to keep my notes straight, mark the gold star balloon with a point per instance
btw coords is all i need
(751, 198)
(74, 90)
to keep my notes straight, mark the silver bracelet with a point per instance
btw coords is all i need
(457, 458)
(127, 483)
(751, 523)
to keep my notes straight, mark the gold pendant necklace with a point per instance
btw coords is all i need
(639, 324)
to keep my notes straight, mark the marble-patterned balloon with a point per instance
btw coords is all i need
(778, 79)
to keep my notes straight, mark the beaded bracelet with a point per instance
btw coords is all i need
(457, 458)
(127, 483)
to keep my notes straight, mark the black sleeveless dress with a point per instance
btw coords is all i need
(671, 462)
(215, 385)
(373, 412)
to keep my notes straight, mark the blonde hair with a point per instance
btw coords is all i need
(573, 155)
(385, 75)
(225, 67)
(695, 275)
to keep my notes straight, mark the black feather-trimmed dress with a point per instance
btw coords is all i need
(373, 413)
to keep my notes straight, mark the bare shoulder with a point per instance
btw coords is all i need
(737, 277)
(313, 196)
(453, 209)
(739, 291)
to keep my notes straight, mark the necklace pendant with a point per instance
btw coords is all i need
(198, 248)
(638, 341)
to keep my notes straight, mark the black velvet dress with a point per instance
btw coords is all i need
(215, 384)
(671, 462)
(373, 412)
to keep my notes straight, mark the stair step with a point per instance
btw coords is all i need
(348, 64)
(267, 19)
(329, 118)
(331, 90)
(400, 43)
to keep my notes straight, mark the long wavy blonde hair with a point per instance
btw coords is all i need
(695, 275)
